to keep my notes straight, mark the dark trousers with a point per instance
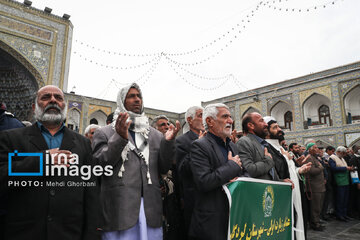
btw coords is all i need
(342, 196)
(328, 200)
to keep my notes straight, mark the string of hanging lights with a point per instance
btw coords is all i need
(87, 59)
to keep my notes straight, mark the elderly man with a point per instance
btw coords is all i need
(315, 186)
(341, 174)
(253, 149)
(131, 198)
(193, 117)
(161, 123)
(90, 130)
(48, 211)
(213, 163)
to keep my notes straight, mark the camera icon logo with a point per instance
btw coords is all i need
(17, 154)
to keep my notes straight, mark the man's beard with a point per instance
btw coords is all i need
(279, 135)
(261, 132)
(43, 116)
(227, 131)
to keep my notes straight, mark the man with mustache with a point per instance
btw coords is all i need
(254, 150)
(48, 211)
(213, 162)
(131, 198)
(286, 169)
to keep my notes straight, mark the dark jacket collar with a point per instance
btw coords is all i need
(38, 140)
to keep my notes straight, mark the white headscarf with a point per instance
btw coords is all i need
(140, 125)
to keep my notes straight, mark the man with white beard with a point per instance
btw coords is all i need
(213, 162)
(47, 211)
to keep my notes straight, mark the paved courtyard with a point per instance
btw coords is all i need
(337, 230)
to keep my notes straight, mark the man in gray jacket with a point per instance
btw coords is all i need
(253, 149)
(130, 197)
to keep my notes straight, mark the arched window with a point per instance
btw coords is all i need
(324, 114)
(288, 120)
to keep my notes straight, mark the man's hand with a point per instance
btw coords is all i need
(202, 134)
(172, 132)
(234, 179)
(236, 159)
(121, 126)
(305, 168)
(286, 153)
(350, 168)
(233, 136)
(63, 159)
(266, 152)
(300, 159)
(289, 181)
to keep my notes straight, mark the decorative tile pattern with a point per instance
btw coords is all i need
(36, 53)
(273, 101)
(325, 90)
(351, 137)
(77, 105)
(298, 113)
(26, 29)
(94, 108)
(336, 111)
(30, 17)
(245, 107)
(345, 87)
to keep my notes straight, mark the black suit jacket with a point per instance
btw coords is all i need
(210, 171)
(187, 188)
(183, 147)
(46, 212)
(281, 165)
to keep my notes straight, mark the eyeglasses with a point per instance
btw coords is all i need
(163, 124)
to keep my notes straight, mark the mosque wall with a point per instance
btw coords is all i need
(324, 106)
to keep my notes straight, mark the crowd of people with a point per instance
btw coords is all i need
(161, 185)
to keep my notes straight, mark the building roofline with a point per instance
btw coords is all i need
(36, 10)
(290, 82)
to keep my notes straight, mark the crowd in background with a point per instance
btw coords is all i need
(168, 186)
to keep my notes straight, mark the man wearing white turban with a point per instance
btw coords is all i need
(130, 197)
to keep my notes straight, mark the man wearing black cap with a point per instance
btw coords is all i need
(286, 169)
(274, 135)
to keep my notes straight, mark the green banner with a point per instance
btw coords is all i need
(259, 209)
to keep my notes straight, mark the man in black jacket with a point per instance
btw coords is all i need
(44, 205)
(213, 163)
(193, 117)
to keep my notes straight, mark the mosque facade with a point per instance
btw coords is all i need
(324, 106)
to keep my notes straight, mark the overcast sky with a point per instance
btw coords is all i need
(255, 46)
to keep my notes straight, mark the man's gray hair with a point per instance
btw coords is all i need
(341, 149)
(191, 112)
(157, 118)
(212, 110)
(88, 128)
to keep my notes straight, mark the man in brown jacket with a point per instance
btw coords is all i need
(315, 187)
